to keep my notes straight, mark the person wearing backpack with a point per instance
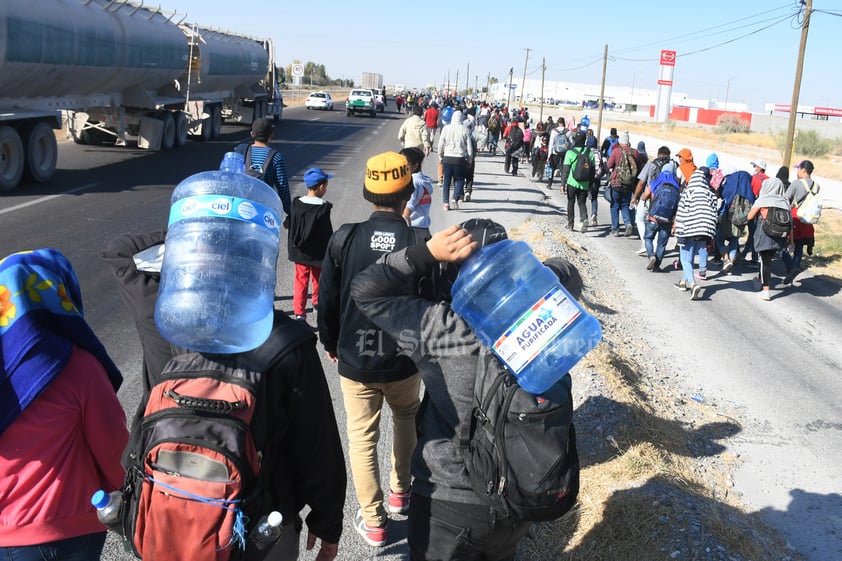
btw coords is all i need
(663, 195)
(62, 427)
(373, 366)
(647, 174)
(803, 234)
(449, 519)
(577, 172)
(736, 197)
(624, 164)
(267, 164)
(695, 226)
(772, 207)
(302, 460)
(560, 141)
(514, 145)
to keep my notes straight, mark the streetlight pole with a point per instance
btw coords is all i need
(796, 88)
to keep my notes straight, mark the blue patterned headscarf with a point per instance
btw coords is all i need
(40, 322)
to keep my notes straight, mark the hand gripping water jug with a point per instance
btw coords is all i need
(518, 309)
(218, 274)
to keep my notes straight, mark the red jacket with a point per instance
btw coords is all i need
(431, 117)
(57, 453)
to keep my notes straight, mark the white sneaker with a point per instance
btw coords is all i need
(764, 295)
(584, 227)
(641, 251)
(454, 204)
(446, 206)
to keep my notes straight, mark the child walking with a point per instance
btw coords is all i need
(310, 230)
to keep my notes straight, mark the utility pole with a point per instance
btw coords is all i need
(602, 92)
(509, 87)
(468, 78)
(523, 85)
(488, 87)
(456, 86)
(543, 70)
(796, 87)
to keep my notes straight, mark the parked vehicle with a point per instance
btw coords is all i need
(114, 70)
(319, 100)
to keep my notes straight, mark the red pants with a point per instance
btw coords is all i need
(303, 275)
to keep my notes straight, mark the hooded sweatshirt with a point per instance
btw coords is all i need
(454, 141)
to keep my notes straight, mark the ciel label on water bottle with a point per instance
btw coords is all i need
(220, 206)
(536, 329)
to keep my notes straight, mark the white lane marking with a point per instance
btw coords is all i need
(48, 198)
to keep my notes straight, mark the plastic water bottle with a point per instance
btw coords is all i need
(109, 508)
(518, 308)
(268, 530)
(584, 124)
(217, 285)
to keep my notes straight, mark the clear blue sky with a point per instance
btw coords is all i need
(721, 44)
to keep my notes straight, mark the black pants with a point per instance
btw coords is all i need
(512, 160)
(447, 531)
(766, 266)
(575, 196)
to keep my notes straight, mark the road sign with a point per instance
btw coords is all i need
(298, 70)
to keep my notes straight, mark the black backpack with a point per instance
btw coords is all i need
(519, 448)
(193, 459)
(583, 169)
(778, 223)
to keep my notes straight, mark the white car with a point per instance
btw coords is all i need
(319, 100)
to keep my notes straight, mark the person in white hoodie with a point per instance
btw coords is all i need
(455, 150)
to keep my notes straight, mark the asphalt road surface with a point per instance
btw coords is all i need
(775, 364)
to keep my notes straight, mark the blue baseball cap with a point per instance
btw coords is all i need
(314, 176)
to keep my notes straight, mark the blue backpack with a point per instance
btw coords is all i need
(665, 194)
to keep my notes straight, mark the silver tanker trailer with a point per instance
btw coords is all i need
(114, 69)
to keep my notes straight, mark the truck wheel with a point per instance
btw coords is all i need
(180, 128)
(168, 134)
(216, 121)
(11, 158)
(41, 152)
(347, 113)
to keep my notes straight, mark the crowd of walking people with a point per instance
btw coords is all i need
(715, 215)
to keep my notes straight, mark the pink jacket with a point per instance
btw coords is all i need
(57, 453)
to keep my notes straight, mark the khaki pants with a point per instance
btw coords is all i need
(363, 404)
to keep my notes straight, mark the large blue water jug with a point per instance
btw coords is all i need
(218, 274)
(518, 308)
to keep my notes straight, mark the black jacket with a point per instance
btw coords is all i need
(309, 232)
(303, 454)
(366, 353)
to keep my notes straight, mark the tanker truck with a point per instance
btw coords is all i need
(110, 70)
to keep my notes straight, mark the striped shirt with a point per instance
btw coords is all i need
(696, 214)
(276, 175)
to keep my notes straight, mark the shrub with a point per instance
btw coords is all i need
(731, 123)
(810, 143)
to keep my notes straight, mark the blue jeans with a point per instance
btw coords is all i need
(703, 256)
(457, 173)
(687, 253)
(663, 233)
(81, 548)
(620, 205)
(727, 246)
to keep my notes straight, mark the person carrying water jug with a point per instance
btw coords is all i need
(444, 508)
